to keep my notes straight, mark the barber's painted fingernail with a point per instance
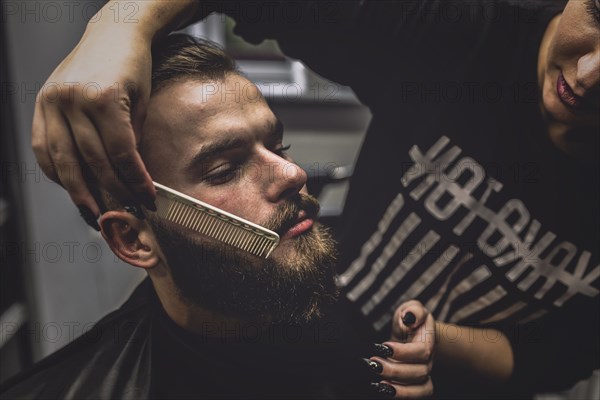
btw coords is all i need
(409, 318)
(148, 203)
(89, 217)
(383, 389)
(373, 365)
(382, 350)
(135, 211)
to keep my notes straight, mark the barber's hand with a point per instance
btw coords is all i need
(89, 114)
(405, 372)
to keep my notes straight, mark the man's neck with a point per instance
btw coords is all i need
(194, 318)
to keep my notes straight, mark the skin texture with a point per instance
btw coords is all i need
(570, 47)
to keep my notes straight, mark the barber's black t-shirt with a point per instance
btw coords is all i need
(458, 198)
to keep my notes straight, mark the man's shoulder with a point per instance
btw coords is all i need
(107, 361)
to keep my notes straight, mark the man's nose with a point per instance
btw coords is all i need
(285, 179)
(588, 71)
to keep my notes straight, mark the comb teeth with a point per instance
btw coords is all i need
(199, 217)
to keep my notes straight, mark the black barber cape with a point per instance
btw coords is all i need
(137, 352)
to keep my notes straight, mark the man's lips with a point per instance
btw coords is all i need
(298, 229)
(301, 224)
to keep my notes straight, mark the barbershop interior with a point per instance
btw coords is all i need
(58, 276)
(45, 269)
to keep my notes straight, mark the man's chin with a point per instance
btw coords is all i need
(289, 286)
(286, 250)
(311, 243)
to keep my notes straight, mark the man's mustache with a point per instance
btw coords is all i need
(287, 213)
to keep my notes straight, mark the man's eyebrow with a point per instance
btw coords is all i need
(214, 148)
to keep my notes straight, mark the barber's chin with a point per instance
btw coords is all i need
(579, 143)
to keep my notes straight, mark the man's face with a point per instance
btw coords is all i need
(571, 81)
(219, 142)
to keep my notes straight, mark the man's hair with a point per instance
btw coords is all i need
(176, 57)
(181, 56)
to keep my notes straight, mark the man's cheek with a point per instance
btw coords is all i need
(239, 205)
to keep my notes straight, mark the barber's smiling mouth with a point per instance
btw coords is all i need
(569, 98)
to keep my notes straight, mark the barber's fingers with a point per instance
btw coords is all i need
(113, 120)
(39, 143)
(139, 107)
(418, 351)
(64, 157)
(402, 372)
(393, 390)
(96, 165)
(406, 371)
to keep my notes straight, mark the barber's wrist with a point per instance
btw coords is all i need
(482, 351)
(145, 20)
(106, 26)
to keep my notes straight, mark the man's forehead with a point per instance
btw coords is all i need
(228, 104)
(188, 97)
(186, 115)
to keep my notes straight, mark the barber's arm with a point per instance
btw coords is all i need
(101, 133)
(337, 39)
(421, 345)
(481, 352)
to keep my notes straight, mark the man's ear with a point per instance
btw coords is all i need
(130, 238)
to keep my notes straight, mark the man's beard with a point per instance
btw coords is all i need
(288, 287)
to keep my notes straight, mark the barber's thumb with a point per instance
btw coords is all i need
(408, 317)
